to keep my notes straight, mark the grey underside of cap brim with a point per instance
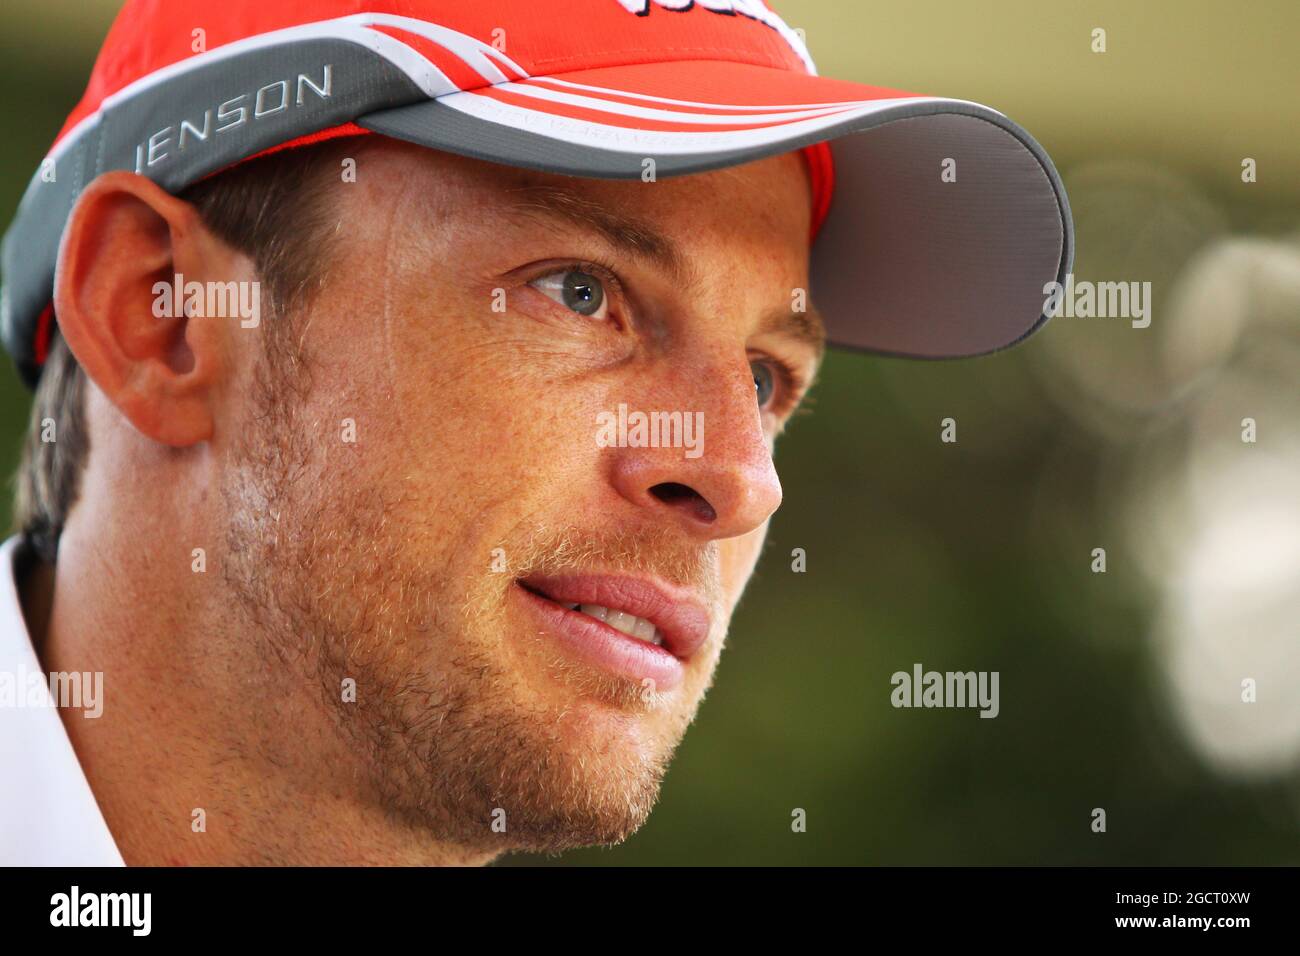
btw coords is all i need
(907, 264)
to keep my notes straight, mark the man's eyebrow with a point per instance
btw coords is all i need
(807, 327)
(627, 233)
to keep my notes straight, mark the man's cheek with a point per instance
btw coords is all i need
(737, 558)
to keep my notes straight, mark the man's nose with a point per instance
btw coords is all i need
(723, 487)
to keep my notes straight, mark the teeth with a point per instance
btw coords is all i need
(629, 624)
(622, 621)
(596, 611)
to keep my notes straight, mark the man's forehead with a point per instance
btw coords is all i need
(761, 184)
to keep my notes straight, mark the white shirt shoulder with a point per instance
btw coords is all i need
(48, 814)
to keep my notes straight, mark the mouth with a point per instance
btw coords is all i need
(637, 628)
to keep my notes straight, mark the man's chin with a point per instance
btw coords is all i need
(541, 759)
(581, 826)
(593, 782)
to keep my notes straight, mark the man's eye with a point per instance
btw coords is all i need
(764, 382)
(574, 289)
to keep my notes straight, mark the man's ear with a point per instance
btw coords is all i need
(124, 236)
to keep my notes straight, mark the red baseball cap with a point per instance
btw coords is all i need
(937, 222)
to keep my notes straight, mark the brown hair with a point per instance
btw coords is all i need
(273, 210)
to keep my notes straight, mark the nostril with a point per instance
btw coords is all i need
(683, 496)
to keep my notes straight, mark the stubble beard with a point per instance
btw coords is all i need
(447, 743)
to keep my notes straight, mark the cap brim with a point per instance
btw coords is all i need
(948, 219)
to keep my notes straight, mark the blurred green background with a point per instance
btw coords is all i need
(1119, 690)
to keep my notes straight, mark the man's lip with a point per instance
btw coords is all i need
(679, 616)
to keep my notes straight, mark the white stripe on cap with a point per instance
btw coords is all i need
(632, 140)
(610, 91)
(643, 112)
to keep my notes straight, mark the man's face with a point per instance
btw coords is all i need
(419, 502)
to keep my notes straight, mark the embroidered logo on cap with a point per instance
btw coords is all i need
(754, 9)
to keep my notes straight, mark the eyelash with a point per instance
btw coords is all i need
(793, 384)
(792, 380)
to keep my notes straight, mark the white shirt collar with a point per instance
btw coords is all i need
(48, 814)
